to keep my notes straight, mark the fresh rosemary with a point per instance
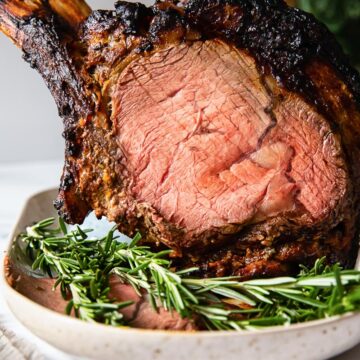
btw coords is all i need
(82, 266)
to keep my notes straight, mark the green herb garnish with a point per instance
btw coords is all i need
(82, 266)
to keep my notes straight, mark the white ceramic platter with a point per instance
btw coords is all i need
(315, 340)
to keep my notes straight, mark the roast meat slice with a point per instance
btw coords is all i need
(195, 128)
(225, 130)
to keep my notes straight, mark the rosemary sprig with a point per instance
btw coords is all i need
(72, 259)
(83, 265)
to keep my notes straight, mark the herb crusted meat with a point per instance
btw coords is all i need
(226, 130)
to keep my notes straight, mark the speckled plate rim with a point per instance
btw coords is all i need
(10, 293)
(300, 326)
(278, 329)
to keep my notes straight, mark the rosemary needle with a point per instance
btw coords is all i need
(82, 267)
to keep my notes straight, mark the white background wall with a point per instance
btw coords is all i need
(30, 128)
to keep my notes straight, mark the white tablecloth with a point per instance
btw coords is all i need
(18, 182)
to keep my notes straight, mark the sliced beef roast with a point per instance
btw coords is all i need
(227, 130)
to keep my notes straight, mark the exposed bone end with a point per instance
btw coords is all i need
(74, 12)
(12, 12)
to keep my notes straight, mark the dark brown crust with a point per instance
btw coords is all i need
(287, 44)
(252, 253)
(40, 32)
(284, 40)
(67, 88)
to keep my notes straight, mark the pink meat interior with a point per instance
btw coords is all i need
(203, 150)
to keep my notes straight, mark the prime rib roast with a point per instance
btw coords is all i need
(227, 130)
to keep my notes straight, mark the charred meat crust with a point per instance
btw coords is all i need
(283, 40)
(66, 86)
(68, 90)
(42, 33)
(252, 253)
(286, 44)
